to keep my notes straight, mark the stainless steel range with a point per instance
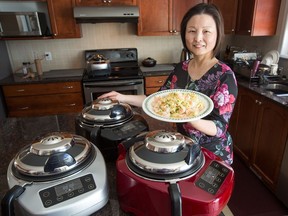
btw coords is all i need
(112, 70)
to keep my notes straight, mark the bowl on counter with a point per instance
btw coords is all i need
(149, 62)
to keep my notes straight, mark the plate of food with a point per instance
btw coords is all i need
(177, 105)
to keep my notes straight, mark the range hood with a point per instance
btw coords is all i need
(102, 14)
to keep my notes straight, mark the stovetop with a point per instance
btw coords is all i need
(123, 61)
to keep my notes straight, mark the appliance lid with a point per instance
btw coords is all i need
(106, 111)
(51, 155)
(103, 14)
(150, 157)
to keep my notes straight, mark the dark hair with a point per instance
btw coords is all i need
(209, 9)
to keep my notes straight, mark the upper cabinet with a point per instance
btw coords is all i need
(104, 2)
(229, 13)
(63, 24)
(162, 17)
(257, 17)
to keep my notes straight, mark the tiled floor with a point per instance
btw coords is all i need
(249, 198)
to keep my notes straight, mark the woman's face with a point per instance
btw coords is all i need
(201, 34)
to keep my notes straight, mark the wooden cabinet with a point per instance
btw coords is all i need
(162, 17)
(261, 134)
(153, 83)
(229, 13)
(43, 99)
(63, 24)
(104, 2)
(257, 17)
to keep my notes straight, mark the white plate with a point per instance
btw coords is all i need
(272, 57)
(147, 106)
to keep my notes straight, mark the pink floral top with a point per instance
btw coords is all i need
(219, 83)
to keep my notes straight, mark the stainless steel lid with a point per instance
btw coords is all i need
(52, 154)
(106, 110)
(163, 152)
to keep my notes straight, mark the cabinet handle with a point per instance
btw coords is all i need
(170, 31)
(258, 102)
(71, 105)
(160, 81)
(174, 31)
(23, 108)
(249, 31)
(233, 30)
(20, 90)
(68, 87)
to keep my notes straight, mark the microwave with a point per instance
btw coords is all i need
(20, 24)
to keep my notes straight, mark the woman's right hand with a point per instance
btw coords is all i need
(112, 95)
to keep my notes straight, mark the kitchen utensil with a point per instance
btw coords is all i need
(107, 122)
(185, 55)
(149, 62)
(99, 65)
(58, 174)
(173, 174)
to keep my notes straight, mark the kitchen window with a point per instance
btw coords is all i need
(283, 41)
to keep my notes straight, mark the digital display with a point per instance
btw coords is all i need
(127, 127)
(68, 187)
(210, 175)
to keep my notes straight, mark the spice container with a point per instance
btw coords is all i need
(25, 68)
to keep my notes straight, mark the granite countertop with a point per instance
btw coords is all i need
(157, 70)
(262, 91)
(49, 76)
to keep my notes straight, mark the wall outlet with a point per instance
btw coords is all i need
(48, 56)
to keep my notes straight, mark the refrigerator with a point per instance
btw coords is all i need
(5, 70)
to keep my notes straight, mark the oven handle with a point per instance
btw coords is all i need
(112, 85)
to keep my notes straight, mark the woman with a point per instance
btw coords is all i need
(201, 33)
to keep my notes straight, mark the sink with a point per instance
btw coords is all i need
(278, 89)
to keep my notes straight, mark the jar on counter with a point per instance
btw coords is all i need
(25, 68)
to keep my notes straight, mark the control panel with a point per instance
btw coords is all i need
(124, 131)
(213, 177)
(67, 190)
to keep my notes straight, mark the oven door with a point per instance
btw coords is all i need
(92, 90)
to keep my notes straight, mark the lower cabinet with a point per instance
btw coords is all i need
(153, 83)
(43, 99)
(260, 131)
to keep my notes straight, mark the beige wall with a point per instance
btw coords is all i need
(68, 53)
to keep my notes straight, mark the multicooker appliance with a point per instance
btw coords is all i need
(58, 174)
(166, 173)
(106, 123)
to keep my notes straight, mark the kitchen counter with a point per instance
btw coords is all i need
(261, 90)
(157, 70)
(49, 76)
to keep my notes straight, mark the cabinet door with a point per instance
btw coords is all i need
(105, 2)
(257, 17)
(229, 13)
(62, 19)
(246, 123)
(270, 141)
(154, 17)
(179, 9)
(165, 18)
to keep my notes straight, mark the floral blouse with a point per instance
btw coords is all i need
(219, 83)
